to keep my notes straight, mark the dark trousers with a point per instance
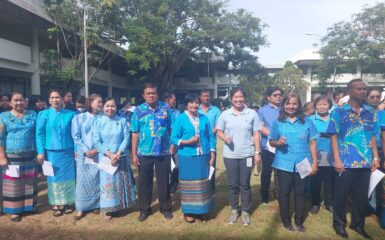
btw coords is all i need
(287, 181)
(146, 175)
(238, 175)
(324, 179)
(267, 161)
(356, 182)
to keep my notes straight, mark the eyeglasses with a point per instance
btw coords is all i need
(276, 95)
(375, 97)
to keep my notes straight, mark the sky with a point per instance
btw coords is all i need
(289, 20)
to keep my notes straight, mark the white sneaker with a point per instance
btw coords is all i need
(245, 218)
(233, 216)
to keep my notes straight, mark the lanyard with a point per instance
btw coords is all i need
(195, 122)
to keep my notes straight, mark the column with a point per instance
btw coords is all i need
(35, 55)
(110, 81)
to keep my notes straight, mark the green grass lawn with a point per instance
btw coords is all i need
(265, 224)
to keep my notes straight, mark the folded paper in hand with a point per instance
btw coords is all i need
(211, 173)
(375, 178)
(48, 169)
(106, 165)
(303, 168)
(13, 171)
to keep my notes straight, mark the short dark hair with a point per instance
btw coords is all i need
(149, 85)
(371, 89)
(81, 99)
(323, 97)
(337, 93)
(282, 114)
(109, 99)
(350, 83)
(56, 90)
(235, 90)
(190, 97)
(13, 93)
(167, 95)
(271, 89)
(90, 99)
(204, 90)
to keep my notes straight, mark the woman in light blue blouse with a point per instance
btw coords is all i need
(87, 175)
(17, 150)
(193, 135)
(55, 144)
(111, 137)
(294, 138)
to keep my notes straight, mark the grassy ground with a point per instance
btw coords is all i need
(265, 224)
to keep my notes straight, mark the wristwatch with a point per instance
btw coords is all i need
(376, 159)
(257, 152)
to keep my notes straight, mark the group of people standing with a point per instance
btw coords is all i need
(340, 146)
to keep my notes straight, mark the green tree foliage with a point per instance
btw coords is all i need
(104, 32)
(163, 34)
(290, 79)
(360, 41)
(255, 86)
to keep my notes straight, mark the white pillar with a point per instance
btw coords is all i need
(359, 70)
(215, 75)
(35, 55)
(308, 78)
(109, 82)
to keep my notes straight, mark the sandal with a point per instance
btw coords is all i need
(56, 212)
(15, 218)
(108, 216)
(68, 209)
(189, 219)
(79, 215)
(96, 211)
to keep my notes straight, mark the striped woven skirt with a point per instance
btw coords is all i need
(20, 193)
(195, 187)
(61, 187)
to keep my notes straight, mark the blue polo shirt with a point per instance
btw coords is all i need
(381, 119)
(241, 128)
(153, 126)
(268, 114)
(298, 135)
(354, 133)
(323, 143)
(212, 114)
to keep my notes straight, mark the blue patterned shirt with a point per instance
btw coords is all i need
(298, 136)
(153, 127)
(354, 133)
(17, 135)
(323, 143)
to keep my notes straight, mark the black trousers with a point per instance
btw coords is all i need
(146, 175)
(356, 182)
(267, 161)
(238, 175)
(324, 179)
(287, 181)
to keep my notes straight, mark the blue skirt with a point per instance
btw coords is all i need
(61, 187)
(195, 187)
(87, 185)
(117, 191)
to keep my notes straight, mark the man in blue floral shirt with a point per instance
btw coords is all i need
(353, 129)
(150, 127)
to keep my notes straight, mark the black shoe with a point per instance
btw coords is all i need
(299, 228)
(314, 209)
(340, 231)
(167, 214)
(329, 208)
(16, 218)
(361, 231)
(143, 216)
(289, 227)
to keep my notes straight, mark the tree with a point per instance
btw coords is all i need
(104, 34)
(290, 79)
(163, 34)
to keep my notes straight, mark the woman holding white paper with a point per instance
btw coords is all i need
(55, 144)
(17, 153)
(87, 173)
(194, 137)
(238, 127)
(111, 138)
(294, 138)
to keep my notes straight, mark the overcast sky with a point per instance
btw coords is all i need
(289, 20)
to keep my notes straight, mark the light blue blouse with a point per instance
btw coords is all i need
(111, 134)
(53, 130)
(82, 125)
(298, 135)
(17, 135)
(183, 129)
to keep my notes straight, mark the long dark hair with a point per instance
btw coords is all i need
(299, 114)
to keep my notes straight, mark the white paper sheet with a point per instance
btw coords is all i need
(270, 148)
(211, 173)
(106, 165)
(13, 171)
(48, 169)
(173, 166)
(90, 160)
(303, 168)
(249, 162)
(375, 178)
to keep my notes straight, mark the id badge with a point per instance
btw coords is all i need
(249, 162)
